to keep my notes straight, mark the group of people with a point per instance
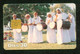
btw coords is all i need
(35, 36)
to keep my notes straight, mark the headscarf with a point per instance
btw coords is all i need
(59, 9)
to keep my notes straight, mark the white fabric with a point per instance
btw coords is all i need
(18, 30)
(72, 29)
(17, 36)
(37, 35)
(64, 16)
(9, 24)
(24, 28)
(59, 24)
(62, 34)
(30, 31)
(39, 27)
(52, 25)
(58, 9)
(51, 35)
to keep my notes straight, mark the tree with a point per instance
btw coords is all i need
(64, 8)
(22, 9)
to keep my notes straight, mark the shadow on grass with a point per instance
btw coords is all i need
(43, 42)
(44, 32)
(71, 43)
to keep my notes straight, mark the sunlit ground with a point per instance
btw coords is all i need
(38, 46)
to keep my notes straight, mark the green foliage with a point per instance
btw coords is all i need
(22, 9)
(65, 8)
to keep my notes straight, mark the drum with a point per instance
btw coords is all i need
(24, 28)
(44, 25)
(41, 26)
(64, 24)
(52, 25)
(18, 30)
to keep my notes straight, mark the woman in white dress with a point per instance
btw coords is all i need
(66, 31)
(37, 35)
(30, 32)
(72, 28)
(51, 35)
(17, 36)
(62, 34)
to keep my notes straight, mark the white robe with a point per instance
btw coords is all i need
(17, 36)
(30, 32)
(51, 35)
(62, 34)
(37, 35)
(66, 31)
(72, 29)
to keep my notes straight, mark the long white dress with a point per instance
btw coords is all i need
(37, 35)
(17, 36)
(65, 31)
(62, 34)
(72, 29)
(51, 35)
(30, 32)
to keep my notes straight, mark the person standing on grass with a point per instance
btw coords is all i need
(30, 31)
(62, 34)
(51, 35)
(72, 28)
(37, 35)
(17, 36)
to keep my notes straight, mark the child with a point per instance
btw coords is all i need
(10, 36)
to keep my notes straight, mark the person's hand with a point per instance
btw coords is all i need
(25, 24)
(38, 23)
(55, 18)
(69, 20)
(33, 23)
(30, 24)
(48, 21)
(69, 15)
(56, 15)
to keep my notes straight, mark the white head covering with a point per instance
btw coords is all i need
(49, 13)
(13, 15)
(59, 9)
(27, 15)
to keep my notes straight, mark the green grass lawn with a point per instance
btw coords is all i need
(38, 46)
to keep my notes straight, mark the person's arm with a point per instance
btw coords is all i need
(40, 20)
(55, 18)
(30, 22)
(21, 23)
(47, 21)
(33, 22)
(70, 17)
(25, 24)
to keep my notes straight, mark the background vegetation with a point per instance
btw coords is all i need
(22, 9)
